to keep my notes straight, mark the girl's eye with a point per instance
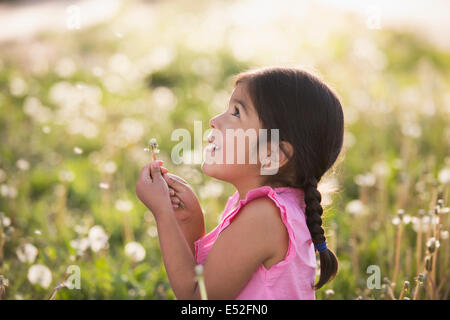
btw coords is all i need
(236, 112)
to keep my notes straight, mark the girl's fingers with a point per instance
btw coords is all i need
(171, 191)
(175, 200)
(175, 206)
(164, 170)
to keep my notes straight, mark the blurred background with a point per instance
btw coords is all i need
(85, 84)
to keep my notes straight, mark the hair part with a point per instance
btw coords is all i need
(309, 116)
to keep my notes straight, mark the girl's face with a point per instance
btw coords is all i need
(240, 114)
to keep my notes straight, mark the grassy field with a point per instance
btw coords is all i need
(77, 108)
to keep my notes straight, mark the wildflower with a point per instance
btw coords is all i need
(4, 220)
(124, 205)
(201, 282)
(153, 147)
(135, 251)
(152, 231)
(23, 164)
(432, 244)
(65, 68)
(8, 191)
(77, 150)
(444, 175)
(40, 274)
(97, 238)
(103, 185)
(3, 284)
(109, 167)
(17, 86)
(27, 253)
(329, 293)
(80, 244)
(365, 180)
(356, 208)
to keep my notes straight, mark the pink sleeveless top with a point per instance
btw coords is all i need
(289, 279)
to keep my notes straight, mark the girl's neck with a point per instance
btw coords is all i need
(244, 187)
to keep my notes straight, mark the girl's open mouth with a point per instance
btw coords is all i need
(212, 147)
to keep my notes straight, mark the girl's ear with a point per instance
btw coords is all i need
(286, 152)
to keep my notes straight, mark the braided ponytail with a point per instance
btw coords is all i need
(313, 212)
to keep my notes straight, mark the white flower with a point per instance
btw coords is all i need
(381, 168)
(356, 208)
(77, 150)
(4, 220)
(8, 191)
(444, 176)
(65, 68)
(103, 185)
(109, 167)
(97, 238)
(27, 253)
(366, 180)
(23, 164)
(152, 231)
(80, 244)
(40, 274)
(424, 223)
(135, 251)
(17, 86)
(124, 205)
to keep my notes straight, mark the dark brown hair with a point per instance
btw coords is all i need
(309, 116)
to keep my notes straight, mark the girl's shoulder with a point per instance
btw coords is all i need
(283, 198)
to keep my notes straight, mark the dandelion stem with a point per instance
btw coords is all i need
(201, 281)
(397, 253)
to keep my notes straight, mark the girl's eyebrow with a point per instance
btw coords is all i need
(241, 103)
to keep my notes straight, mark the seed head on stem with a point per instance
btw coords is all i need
(200, 280)
(153, 147)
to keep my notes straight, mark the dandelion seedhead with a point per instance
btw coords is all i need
(404, 289)
(153, 147)
(3, 284)
(419, 281)
(432, 245)
(201, 282)
(329, 293)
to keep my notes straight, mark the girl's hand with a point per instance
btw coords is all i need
(152, 189)
(180, 190)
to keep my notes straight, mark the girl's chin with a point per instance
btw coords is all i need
(213, 170)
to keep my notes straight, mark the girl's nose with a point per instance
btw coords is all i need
(212, 122)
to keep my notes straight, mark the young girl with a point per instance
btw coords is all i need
(264, 246)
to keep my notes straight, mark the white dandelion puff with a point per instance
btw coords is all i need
(40, 274)
(27, 253)
(135, 251)
(77, 150)
(23, 164)
(98, 239)
(124, 205)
